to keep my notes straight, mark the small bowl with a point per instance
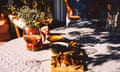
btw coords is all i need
(58, 47)
(54, 38)
(61, 43)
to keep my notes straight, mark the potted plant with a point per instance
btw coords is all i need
(29, 19)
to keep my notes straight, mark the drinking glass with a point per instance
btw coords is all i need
(33, 38)
(46, 21)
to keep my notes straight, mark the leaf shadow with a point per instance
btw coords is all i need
(103, 58)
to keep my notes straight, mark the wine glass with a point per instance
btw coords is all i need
(46, 21)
